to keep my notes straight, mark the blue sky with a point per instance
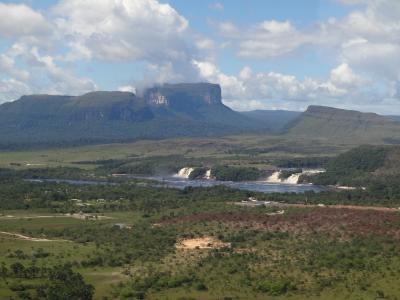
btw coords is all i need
(265, 54)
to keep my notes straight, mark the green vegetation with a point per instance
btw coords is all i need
(355, 167)
(228, 173)
(121, 238)
(198, 173)
(303, 162)
(57, 283)
(344, 125)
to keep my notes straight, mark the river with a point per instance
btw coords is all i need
(256, 186)
(181, 183)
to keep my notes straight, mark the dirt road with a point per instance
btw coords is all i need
(28, 238)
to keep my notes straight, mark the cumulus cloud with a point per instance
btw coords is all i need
(343, 76)
(45, 53)
(108, 31)
(62, 81)
(19, 20)
(131, 30)
(113, 30)
(255, 90)
(127, 88)
(267, 39)
(12, 89)
(365, 44)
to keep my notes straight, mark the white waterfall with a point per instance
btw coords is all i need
(208, 174)
(292, 179)
(184, 172)
(274, 178)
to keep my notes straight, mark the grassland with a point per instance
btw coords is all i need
(306, 253)
(123, 238)
(234, 149)
(32, 223)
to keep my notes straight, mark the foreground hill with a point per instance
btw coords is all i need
(98, 117)
(328, 122)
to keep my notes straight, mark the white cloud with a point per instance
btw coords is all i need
(12, 89)
(132, 30)
(365, 44)
(127, 88)
(44, 52)
(344, 77)
(7, 67)
(19, 20)
(113, 30)
(63, 82)
(275, 27)
(255, 90)
(266, 39)
(108, 30)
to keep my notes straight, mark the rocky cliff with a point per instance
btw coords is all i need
(184, 95)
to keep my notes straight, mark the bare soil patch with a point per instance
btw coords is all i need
(201, 243)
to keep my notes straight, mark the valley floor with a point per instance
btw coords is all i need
(128, 238)
(239, 253)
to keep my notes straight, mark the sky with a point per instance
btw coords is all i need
(265, 54)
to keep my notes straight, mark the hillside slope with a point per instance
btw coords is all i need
(334, 123)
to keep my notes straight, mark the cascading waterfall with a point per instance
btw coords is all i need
(185, 172)
(292, 179)
(274, 178)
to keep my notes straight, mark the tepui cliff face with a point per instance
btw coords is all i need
(170, 110)
(183, 95)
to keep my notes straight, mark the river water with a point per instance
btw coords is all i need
(256, 186)
(181, 183)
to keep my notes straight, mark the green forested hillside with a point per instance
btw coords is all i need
(340, 124)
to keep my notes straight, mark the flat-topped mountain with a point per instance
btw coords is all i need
(184, 95)
(329, 122)
(171, 110)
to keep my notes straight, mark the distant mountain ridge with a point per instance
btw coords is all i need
(329, 122)
(394, 118)
(171, 110)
